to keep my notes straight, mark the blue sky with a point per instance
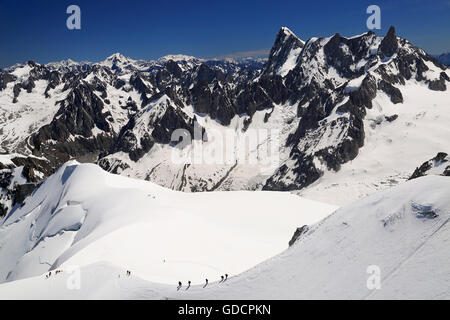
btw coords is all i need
(36, 30)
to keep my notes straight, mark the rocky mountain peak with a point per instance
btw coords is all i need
(284, 53)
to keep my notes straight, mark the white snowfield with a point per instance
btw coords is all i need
(83, 215)
(399, 235)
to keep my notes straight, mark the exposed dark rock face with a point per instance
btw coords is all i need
(394, 93)
(446, 171)
(444, 58)
(424, 211)
(439, 85)
(391, 118)
(441, 160)
(298, 233)
(127, 142)
(31, 165)
(342, 53)
(155, 124)
(138, 83)
(3, 210)
(27, 85)
(211, 96)
(285, 43)
(361, 99)
(313, 149)
(22, 191)
(305, 173)
(72, 127)
(172, 120)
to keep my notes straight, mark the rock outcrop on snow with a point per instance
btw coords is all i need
(439, 165)
(444, 58)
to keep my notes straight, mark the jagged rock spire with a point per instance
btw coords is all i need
(389, 44)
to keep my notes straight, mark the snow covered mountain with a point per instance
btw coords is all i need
(323, 99)
(439, 165)
(284, 54)
(386, 246)
(444, 58)
(350, 118)
(398, 232)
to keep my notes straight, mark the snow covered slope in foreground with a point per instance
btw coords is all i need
(397, 139)
(83, 215)
(403, 231)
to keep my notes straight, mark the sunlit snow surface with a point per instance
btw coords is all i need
(83, 215)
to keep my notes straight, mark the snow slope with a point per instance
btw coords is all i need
(402, 231)
(247, 166)
(83, 215)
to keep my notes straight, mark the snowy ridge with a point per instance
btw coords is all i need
(400, 230)
(83, 215)
(416, 130)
